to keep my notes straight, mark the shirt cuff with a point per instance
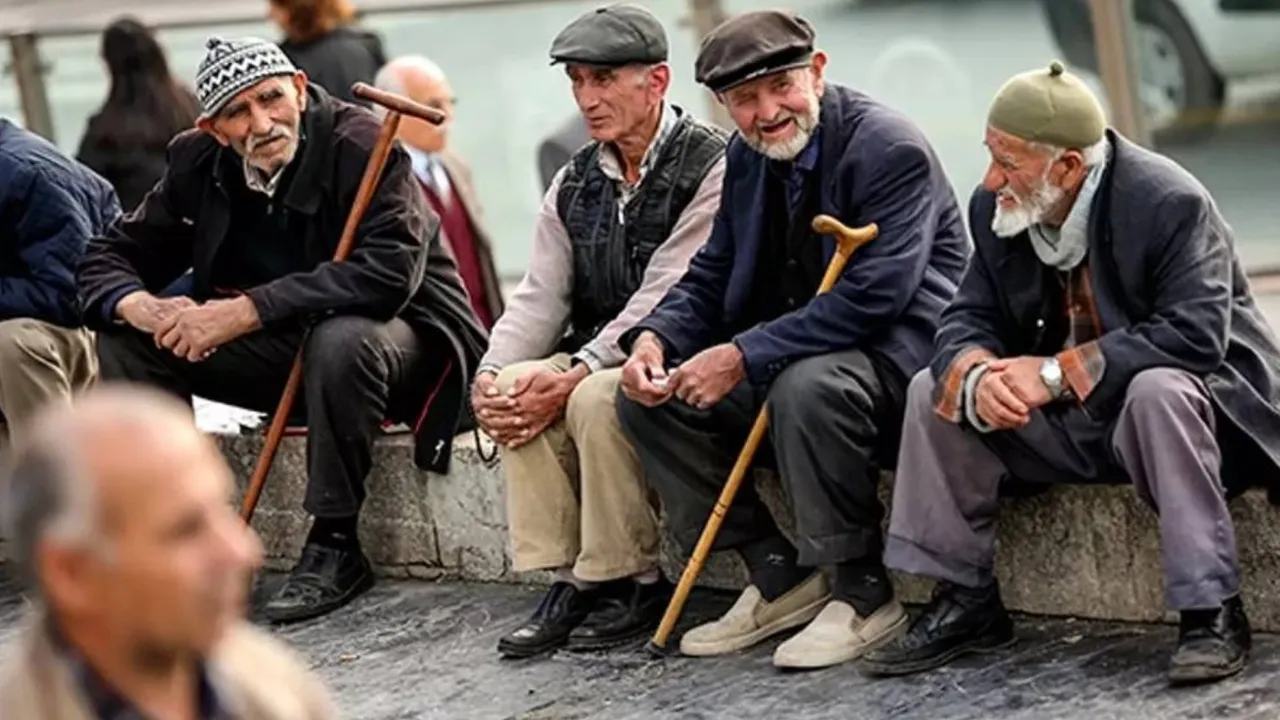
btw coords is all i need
(588, 358)
(488, 367)
(971, 398)
(948, 400)
(1082, 368)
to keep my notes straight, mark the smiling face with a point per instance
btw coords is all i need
(778, 113)
(1032, 184)
(616, 102)
(262, 123)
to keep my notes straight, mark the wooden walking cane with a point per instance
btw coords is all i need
(396, 106)
(848, 240)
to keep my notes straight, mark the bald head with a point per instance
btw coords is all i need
(421, 80)
(77, 456)
(119, 509)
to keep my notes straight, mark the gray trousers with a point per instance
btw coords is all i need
(826, 415)
(943, 523)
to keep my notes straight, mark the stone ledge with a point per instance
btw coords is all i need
(1084, 551)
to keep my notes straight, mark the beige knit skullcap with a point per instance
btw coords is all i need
(1052, 107)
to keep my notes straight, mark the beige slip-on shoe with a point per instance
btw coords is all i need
(751, 619)
(838, 635)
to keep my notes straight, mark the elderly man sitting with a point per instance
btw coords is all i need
(255, 201)
(1103, 330)
(743, 328)
(616, 229)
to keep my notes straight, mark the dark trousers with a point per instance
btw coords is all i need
(352, 366)
(833, 419)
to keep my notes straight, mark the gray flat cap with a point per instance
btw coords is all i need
(612, 36)
(751, 45)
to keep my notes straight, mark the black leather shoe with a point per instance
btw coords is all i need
(324, 580)
(957, 621)
(560, 611)
(626, 611)
(1212, 644)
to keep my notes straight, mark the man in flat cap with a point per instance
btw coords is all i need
(255, 201)
(1104, 331)
(742, 327)
(616, 229)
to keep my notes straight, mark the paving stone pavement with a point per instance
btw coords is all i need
(419, 651)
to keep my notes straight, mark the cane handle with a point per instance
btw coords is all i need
(848, 240)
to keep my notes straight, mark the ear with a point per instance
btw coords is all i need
(818, 65)
(208, 127)
(1073, 168)
(661, 79)
(300, 85)
(63, 574)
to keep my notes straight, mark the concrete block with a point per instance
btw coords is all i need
(1081, 551)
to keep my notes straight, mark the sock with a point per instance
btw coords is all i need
(864, 584)
(648, 577)
(566, 575)
(772, 562)
(336, 533)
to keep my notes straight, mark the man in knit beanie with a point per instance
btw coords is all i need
(254, 203)
(1102, 333)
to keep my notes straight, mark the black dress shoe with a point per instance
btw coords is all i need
(324, 580)
(626, 611)
(1212, 644)
(957, 621)
(560, 611)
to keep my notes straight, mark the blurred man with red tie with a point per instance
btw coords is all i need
(446, 180)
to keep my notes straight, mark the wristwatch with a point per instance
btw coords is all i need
(1051, 376)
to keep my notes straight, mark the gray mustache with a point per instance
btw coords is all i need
(256, 140)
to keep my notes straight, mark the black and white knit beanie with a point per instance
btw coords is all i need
(233, 66)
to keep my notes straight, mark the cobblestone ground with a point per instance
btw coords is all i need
(424, 650)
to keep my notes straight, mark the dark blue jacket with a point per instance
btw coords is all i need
(876, 166)
(50, 205)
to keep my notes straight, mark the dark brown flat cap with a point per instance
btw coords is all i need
(753, 44)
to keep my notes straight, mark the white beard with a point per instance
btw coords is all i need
(787, 150)
(1009, 222)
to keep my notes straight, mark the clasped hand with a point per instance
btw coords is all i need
(1009, 391)
(190, 330)
(534, 402)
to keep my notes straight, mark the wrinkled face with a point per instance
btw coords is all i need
(778, 113)
(262, 123)
(616, 102)
(1030, 182)
(434, 93)
(171, 572)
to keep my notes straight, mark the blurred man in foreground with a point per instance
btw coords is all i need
(117, 508)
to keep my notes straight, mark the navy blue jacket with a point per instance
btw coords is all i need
(876, 166)
(50, 205)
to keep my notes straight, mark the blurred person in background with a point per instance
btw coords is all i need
(146, 106)
(116, 509)
(49, 208)
(321, 41)
(446, 179)
(556, 149)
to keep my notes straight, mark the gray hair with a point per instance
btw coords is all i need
(1094, 155)
(47, 494)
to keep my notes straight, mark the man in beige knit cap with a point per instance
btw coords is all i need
(1103, 332)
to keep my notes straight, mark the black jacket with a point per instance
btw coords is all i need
(397, 268)
(338, 60)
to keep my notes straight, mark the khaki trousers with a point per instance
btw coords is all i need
(41, 363)
(576, 496)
